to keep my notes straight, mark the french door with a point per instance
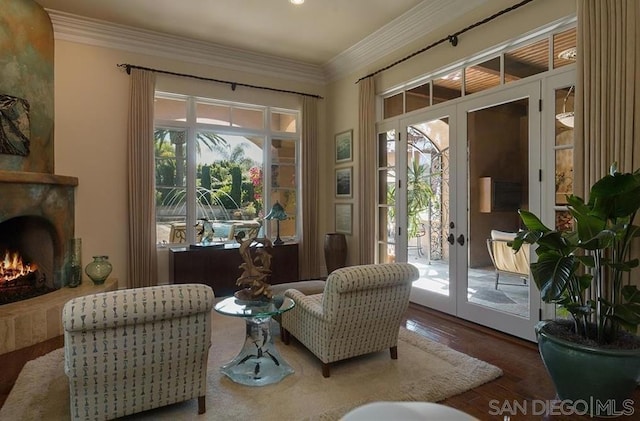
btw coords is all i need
(451, 176)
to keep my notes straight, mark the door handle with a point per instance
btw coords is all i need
(460, 240)
(451, 239)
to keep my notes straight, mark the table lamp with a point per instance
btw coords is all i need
(277, 213)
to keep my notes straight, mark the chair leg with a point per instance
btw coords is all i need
(202, 405)
(285, 335)
(394, 352)
(325, 370)
(497, 276)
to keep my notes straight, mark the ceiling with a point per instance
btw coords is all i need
(314, 32)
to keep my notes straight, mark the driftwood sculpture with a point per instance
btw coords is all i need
(255, 270)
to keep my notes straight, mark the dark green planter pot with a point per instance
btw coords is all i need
(601, 381)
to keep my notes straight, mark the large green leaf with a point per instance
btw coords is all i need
(532, 222)
(551, 273)
(616, 196)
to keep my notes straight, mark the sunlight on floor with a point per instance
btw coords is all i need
(511, 297)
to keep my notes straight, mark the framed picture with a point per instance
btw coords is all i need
(343, 217)
(343, 182)
(344, 146)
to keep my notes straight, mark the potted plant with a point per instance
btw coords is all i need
(593, 356)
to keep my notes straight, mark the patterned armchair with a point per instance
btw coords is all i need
(131, 350)
(359, 312)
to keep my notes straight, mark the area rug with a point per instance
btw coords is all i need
(424, 371)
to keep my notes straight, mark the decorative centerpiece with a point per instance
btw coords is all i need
(256, 269)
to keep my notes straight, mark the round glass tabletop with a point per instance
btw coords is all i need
(232, 306)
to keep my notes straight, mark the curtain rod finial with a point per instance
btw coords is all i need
(233, 86)
(453, 39)
(126, 67)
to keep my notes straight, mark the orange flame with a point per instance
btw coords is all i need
(12, 267)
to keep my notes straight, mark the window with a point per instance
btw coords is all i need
(517, 60)
(226, 163)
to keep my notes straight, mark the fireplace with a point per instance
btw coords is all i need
(36, 228)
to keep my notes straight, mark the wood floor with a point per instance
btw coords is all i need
(525, 382)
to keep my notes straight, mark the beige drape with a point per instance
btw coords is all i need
(309, 249)
(140, 163)
(608, 90)
(367, 175)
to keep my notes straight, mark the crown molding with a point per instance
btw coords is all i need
(80, 29)
(412, 25)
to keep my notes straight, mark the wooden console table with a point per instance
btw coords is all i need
(219, 267)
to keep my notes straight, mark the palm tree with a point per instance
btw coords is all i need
(178, 138)
(420, 195)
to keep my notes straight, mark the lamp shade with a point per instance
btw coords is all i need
(566, 118)
(277, 212)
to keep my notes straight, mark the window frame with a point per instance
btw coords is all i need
(192, 128)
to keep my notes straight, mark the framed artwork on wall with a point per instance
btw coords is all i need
(344, 146)
(343, 217)
(343, 182)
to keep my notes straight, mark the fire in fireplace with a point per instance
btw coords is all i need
(30, 258)
(20, 279)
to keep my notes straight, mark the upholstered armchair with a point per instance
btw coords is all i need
(359, 312)
(131, 350)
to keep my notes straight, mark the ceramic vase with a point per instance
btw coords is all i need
(99, 269)
(335, 251)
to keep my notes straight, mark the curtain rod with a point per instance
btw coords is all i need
(233, 85)
(453, 39)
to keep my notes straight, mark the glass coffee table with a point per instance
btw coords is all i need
(259, 363)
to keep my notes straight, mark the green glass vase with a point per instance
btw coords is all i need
(73, 267)
(99, 269)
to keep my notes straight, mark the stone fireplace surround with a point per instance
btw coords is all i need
(42, 206)
(48, 199)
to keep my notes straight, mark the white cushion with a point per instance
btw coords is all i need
(503, 236)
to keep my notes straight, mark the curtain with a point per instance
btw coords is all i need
(309, 248)
(140, 164)
(367, 175)
(608, 92)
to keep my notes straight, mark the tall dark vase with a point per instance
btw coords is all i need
(335, 251)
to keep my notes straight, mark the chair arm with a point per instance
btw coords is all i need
(306, 304)
(136, 306)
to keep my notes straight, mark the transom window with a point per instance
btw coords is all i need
(223, 165)
(508, 64)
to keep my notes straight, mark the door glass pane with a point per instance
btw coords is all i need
(428, 203)
(386, 196)
(498, 182)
